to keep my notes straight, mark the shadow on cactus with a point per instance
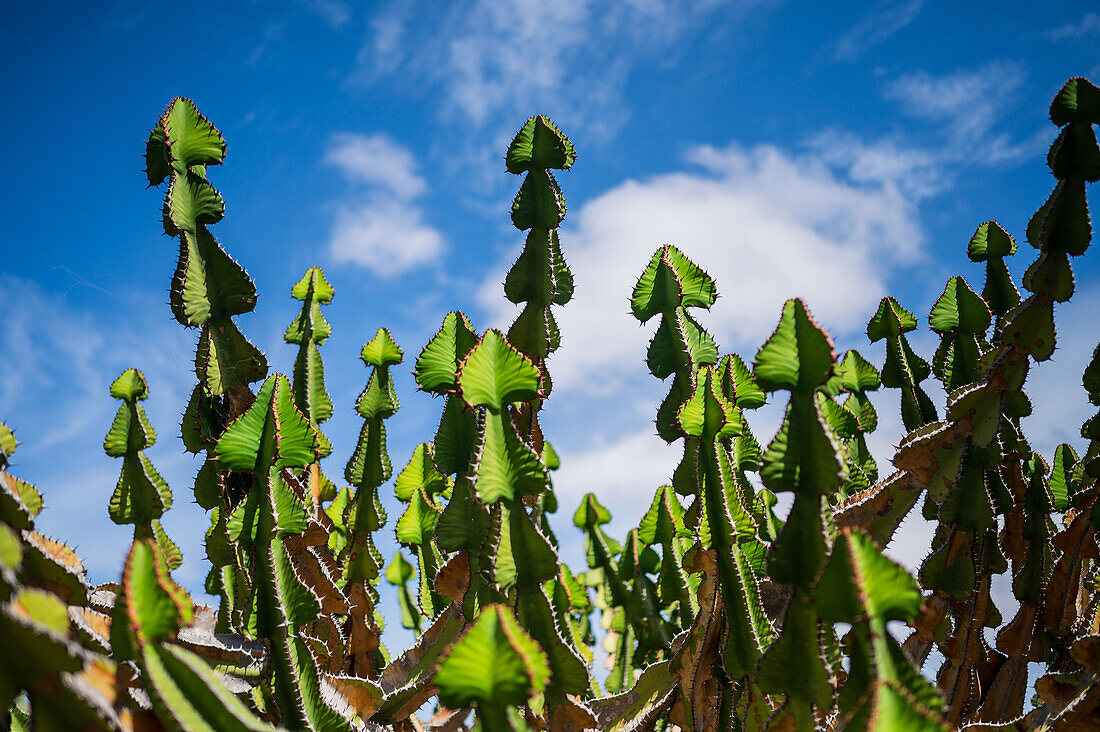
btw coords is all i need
(714, 613)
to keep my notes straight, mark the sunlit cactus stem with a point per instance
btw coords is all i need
(269, 438)
(904, 369)
(991, 244)
(421, 487)
(368, 468)
(309, 331)
(540, 277)
(854, 419)
(142, 495)
(669, 286)
(209, 287)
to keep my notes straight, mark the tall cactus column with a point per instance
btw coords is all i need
(309, 330)
(670, 284)
(141, 496)
(270, 437)
(540, 277)
(803, 458)
(208, 289)
(1060, 229)
(368, 468)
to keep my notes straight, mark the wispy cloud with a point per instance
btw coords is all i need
(917, 172)
(379, 225)
(1088, 26)
(56, 350)
(273, 33)
(47, 347)
(333, 12)
(969, 109)
(876, 28)
(970, 102)
(376, 160)
(965, 118)
(570, 58)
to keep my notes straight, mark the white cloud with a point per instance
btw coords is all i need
(970, 100)
(737, 214)
(379, 225)
(1089, 26)
(969, 106)
(876, 28)
(570, 58)
(376, 160)
(915, 171)
(386, 236)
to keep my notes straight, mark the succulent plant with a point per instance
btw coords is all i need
(715, 612)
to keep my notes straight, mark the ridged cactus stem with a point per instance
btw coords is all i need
(420, 485)
(904, 369)
(368, 468)
(967, 460)
(209, 287)
(540, 277)
(669, 286)
(508, 474)
(309, 331)
(142, 495)
(463, 524)
(271, 437)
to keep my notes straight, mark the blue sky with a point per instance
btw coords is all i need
(835, 152)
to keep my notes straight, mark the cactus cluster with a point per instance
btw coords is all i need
(714, 613)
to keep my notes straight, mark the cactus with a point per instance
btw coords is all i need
(421, 486)
(368, 468)
(903, 369)
(57, 674)
(540, 277)
(517, 668)
(141, 496)
(271, 436)
(716, 611)
(309, 330)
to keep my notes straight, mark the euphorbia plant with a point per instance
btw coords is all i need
(717, 612)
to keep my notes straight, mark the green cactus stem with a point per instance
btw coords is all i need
(142, 495)
(368, 468)
(539, 278)
(309, 331)
(267, 439)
